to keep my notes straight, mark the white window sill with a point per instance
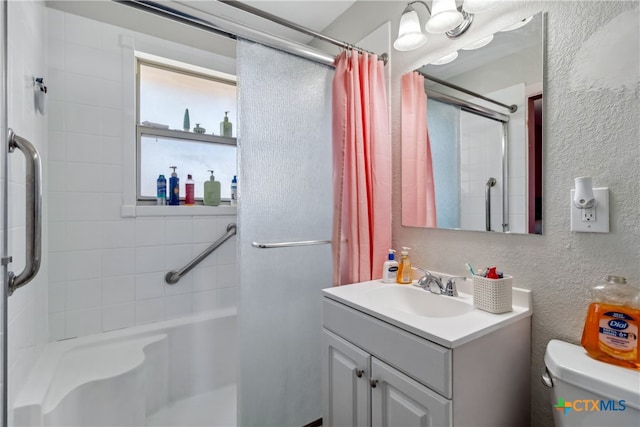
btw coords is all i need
(133, 211)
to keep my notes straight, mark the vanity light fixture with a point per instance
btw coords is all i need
(479, 6)
(410, 36)
(444, 18)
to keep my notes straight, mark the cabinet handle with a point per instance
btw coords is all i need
(373, 383)
(359, 373)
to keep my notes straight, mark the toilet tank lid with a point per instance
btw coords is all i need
(571, 364)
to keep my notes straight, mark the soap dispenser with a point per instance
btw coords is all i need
(212, 191)
(226, 126)
(174, 187)
(405, 273)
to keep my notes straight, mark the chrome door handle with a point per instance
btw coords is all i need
(359, 373)
(373, 383)
(33, 223)
(289, 244)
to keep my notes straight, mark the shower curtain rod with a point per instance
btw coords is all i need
(266, 15)
(467, 106)
(234, 30)
(512, 108)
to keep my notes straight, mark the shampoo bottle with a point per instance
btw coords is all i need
(174, 187)
(161, 193)
(189, 189)
(225, 125)
(405, 273)
(234, 191)
(390, 268)
(211, 191)
(611, 328)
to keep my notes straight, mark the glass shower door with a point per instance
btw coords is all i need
(285, 195)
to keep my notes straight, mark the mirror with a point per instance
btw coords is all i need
(485, 168)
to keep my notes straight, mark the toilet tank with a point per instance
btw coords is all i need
(587, 392)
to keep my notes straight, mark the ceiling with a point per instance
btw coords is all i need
(313, 14)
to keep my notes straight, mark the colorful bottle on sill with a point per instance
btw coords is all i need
(611, 328)
(186, 123)
(234, 191)
(190, 191)
(405, 272)
(161, 193)
(174, 187)
(226, 127)
(211, 191)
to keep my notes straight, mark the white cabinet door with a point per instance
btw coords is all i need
(345, 388)
(399, 401)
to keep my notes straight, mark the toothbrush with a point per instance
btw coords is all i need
(469, 268)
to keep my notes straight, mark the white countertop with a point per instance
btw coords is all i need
(450, 332)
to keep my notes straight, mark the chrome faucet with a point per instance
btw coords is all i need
(450, 289)
(427, 281)
(433, 284)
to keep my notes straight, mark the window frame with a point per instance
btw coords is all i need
(179, 135)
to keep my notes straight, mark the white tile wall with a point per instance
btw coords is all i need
(109, 271)
(481, 157)
(27, 310)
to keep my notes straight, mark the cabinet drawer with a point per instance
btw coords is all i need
(426, 362)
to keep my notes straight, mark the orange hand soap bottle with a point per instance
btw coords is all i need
(611, 329)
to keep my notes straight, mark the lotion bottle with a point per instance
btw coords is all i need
(390, 268)
(174, 187)
(405, 273)
(211, 191)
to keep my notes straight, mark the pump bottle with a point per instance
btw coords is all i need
(174, 187)
(390, 268)
(612, 325)
(225, 125)
(405, 273)
(211, 191)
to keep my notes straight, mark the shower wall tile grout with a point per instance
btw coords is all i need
(107, 271)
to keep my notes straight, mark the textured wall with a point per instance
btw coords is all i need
(592, 116)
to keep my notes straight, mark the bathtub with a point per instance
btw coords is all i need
(173, 373)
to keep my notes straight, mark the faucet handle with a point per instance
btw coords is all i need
(451, 290)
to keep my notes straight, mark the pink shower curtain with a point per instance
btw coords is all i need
(418, 192)
(361, 169)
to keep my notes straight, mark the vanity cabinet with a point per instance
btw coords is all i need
(377, 374)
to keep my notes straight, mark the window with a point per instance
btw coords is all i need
(164, 93)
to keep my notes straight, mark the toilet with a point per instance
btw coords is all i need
(587, 392)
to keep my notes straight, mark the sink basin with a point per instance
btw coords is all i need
(416, 301)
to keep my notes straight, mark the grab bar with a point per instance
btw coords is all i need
(33, 225)
(487, 201)
(289, 244)
(173, 276)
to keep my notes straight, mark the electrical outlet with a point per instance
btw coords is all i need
(589, 215)
(593, 220)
